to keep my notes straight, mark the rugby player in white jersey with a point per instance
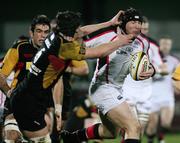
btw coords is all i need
(162, 99)
(106, 86)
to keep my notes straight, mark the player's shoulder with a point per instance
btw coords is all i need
(21, 43)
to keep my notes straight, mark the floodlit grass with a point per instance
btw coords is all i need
(170, 138)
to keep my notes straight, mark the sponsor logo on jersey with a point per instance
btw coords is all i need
(35, 70)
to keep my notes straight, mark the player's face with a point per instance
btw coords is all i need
(165, 46)
(145, 28)
(133, 27)
(40, 33)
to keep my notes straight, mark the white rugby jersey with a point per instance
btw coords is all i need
(163, 86)
(114, 68)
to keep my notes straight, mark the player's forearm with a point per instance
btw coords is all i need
(94, 27)
(4, 86)
(103, 49)
(58, 92)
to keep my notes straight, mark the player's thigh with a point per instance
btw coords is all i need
(123, 116)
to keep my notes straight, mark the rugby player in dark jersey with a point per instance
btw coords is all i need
(18, 59)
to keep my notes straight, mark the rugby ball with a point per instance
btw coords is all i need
(139, 63)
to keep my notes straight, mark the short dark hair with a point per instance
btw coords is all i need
(68, 22)
(40, 19)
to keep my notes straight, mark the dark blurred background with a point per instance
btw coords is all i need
(164, 17)
(15, 16)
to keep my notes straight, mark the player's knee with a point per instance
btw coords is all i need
(11, 130)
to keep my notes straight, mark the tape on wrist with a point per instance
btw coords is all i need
(58, 108)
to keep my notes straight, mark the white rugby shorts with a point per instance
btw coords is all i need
(106, 97)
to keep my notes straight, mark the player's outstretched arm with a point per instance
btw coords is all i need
(107, 48)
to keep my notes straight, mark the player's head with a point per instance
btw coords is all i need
(40, 28)
(68, 22)
(165, 44)
(131, 21)
(145, 26)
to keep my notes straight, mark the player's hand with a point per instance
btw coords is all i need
(147, 74)
(58, 120)
(116, 20)
(124, 39)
